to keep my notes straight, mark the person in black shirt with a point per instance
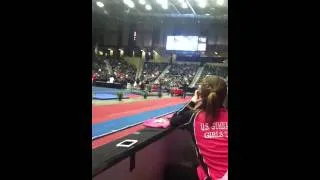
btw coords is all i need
(185, 85)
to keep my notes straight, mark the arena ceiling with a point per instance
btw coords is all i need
(141, 10)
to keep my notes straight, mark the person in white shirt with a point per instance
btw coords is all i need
(111, 79)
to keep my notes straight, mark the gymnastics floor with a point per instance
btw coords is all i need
(128, 116)
(100, 93)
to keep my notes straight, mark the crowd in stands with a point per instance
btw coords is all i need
(151, 71)
(213, 70)
(99, 69)
(123, 71)
(180, 74)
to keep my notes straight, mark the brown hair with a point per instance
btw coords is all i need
(213, 92)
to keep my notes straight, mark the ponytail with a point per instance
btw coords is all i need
(211, 106)
(213, 91)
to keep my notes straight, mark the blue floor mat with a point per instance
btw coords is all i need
(106, 90)
(111, 126)
(106, 96)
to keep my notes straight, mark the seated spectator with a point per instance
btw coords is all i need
(207, 121)
(123, 71)
(213, 70)
(151, 71)
(180, 74)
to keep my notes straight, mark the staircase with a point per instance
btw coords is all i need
(140, 68)
(139, 73)
(196, 77)
(163, 72)
(109, 68)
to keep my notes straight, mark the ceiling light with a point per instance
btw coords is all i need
(129, 3)
(181, 1)
(148, 7)
(165, 4)
(207, 14)
(202, 3)
(159, 1)
(220, 2)
(143, 2)
(100, 4)
(184, 5)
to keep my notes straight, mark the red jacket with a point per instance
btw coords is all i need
(211, 141)
(94, 77)
(212, 144)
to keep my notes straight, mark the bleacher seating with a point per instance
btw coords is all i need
(151, 70)
(213, 70)
(180, 74)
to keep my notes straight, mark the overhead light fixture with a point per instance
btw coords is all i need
(129, 3)
(143, 2)
(202, 3)
(181, 1)
(220, 2)
(100, 4)
(184, 5)
(148, 7)
(207, 14)
(159, 1)
(165, 4)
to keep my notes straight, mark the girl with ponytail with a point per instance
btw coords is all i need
(207, 121)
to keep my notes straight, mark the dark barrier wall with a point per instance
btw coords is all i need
(176, 147)
(108, 85)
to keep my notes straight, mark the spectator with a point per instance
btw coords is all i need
(152, 70)
(213, 70)
(207, 121)
(180, 74)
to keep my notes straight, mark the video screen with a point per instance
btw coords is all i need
(186, 43)
(202, 44)
(182, 43)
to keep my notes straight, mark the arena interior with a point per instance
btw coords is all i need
(148, 58)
